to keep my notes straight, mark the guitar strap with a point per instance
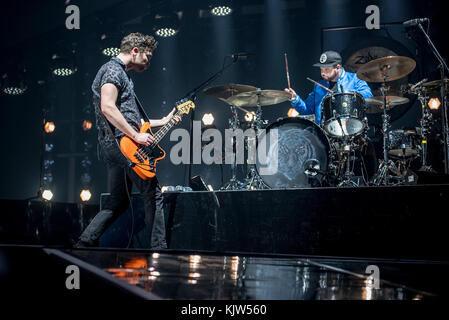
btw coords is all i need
(142, 111)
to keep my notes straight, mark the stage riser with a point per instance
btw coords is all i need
(370, 222)
(398, 222)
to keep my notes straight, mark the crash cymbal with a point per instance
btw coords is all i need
(259, 97)
(223, 92)
(386, 69)
(375, 104)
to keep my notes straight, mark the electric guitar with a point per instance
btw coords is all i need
(144, 158)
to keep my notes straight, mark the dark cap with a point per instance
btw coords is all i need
(329, 59)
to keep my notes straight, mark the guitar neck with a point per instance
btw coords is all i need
(165, 129)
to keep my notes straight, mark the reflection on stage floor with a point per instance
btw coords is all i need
(171, 275)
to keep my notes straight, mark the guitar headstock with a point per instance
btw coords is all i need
(185, 105)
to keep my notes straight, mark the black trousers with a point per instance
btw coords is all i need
(121, 180)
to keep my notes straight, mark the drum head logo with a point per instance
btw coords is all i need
(323, 58)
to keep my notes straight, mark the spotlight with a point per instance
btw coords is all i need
(434, 103)
(47, 195)
(87, 125)
(109, 44)
(13, 82)
(167, 24)
(208, 119)
(221, 11)
(292, 113)
(250, 116)
(165, 32)
(63, 66)
(85, 195)
(14, 91)
(49, 127)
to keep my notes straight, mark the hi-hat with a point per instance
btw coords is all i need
(375, 104)
(259, 97)
(386, 69)
(226, 91)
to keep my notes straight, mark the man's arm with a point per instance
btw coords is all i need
(109, 93)
(156, 123)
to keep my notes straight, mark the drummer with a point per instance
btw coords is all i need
(335, 78)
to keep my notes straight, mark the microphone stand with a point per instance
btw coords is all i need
(192, 95)
(443, 67)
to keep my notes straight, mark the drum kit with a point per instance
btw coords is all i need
(311, 155)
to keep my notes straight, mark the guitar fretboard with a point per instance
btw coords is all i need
(164, 130)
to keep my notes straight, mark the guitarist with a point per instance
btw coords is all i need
(118, 114)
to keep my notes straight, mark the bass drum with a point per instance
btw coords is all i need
(293, 153)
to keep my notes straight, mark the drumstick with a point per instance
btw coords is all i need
(286, 69)
(320, 85)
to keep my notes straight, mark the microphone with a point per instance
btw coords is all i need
(241, 56)
(414, 22)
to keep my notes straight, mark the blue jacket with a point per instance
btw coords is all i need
(312, 104)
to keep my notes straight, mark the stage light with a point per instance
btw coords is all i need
(167, 24)
(111, 51)
(434, 103)
(63, 72)
(87, 125)
(292, 113)
(13, 82)
(14, 91)
(47, 195)
(165, 32)
(49, 127)
(250, 116)
(210, 187)
(208, 119)
(85, 195)
(63, 66)
(221, 11)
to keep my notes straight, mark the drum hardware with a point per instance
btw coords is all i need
(421, 89)
(253, 180)
(234, 124)
(224, 92)
(384, 70)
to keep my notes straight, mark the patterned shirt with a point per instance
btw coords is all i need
(114, 72)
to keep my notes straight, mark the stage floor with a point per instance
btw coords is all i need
(209, 276)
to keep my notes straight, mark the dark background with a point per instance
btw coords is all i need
(33, 31)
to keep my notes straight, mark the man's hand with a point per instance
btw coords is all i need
(292, 92)
(171, 116)
(144, 138)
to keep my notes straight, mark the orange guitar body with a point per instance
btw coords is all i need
(143, 158)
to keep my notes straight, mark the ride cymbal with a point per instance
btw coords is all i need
(386, 69)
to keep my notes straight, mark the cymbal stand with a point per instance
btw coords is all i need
(254, 180)
(234, 124)
(426, 117)
(382, 173)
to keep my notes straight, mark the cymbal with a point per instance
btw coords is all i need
(375, 104)
(435, 85)
(223, 92)
(386, 69)
(259, 97)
